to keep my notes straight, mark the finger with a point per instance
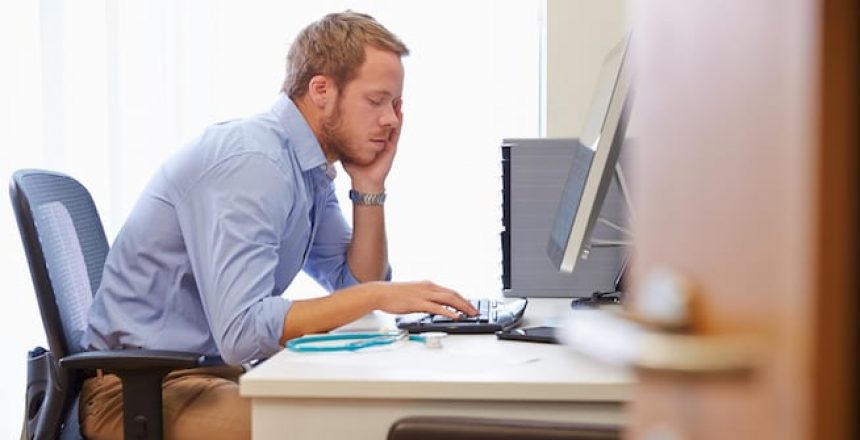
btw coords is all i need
(457, 300)
(399, 113)
(454, 299)
(439, 309)
(465, 306)
(394, 135)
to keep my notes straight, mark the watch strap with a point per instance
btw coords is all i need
(371, 199)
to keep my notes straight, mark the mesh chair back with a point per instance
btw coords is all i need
(66, 249)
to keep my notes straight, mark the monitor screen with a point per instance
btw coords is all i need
(593, 168)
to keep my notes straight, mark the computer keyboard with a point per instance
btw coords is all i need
(494, 315)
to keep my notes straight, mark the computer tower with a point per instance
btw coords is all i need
(534, 172)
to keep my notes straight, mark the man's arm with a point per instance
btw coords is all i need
(323, 314)
(227, 231)
(367, 255)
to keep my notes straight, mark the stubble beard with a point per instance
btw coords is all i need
(337, 140)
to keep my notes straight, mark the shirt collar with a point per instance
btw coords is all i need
(306, 146)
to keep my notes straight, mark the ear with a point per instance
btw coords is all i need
(320, 90)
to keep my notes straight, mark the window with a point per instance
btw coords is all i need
(105, 91)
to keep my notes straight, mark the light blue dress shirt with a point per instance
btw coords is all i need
(217, 236)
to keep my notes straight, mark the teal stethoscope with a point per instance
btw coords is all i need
(358, 341)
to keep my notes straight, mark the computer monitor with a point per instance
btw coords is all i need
(594, 167)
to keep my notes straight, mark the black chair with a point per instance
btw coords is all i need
(66, 249)
(470, 428)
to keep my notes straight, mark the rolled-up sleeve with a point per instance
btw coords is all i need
(231, 222)
(327, 260)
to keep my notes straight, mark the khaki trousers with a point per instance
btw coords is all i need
(199, 403)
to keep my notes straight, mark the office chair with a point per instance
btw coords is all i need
(469, 428)
(66, 249)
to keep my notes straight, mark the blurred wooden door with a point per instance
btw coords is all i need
(744, 175)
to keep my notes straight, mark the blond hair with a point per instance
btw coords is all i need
(334, 47)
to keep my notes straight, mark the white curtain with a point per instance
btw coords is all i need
(105, 90)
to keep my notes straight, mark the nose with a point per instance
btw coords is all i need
(389, 117)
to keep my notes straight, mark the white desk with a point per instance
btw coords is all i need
(359, 395)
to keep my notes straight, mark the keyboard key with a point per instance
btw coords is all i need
(440, 318)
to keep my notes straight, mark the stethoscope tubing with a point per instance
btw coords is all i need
(304, 344)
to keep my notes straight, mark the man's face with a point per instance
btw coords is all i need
(356, 127)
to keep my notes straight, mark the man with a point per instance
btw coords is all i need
(225, 225)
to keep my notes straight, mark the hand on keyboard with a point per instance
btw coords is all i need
(424, 296)
(481, 305)
(493, 315)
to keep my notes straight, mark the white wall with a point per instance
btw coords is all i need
(579, 34)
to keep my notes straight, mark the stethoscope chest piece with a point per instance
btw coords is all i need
(433, 339)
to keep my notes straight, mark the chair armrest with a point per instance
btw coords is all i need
(131, 360)
(468, 428)
(141, 373)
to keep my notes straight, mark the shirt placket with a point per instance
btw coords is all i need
(321, 182)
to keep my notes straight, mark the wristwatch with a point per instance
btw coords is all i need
(367, 199)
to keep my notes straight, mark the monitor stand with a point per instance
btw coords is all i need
(615, 296)
(597, 299)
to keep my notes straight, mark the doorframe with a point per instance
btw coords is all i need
(837, 333)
